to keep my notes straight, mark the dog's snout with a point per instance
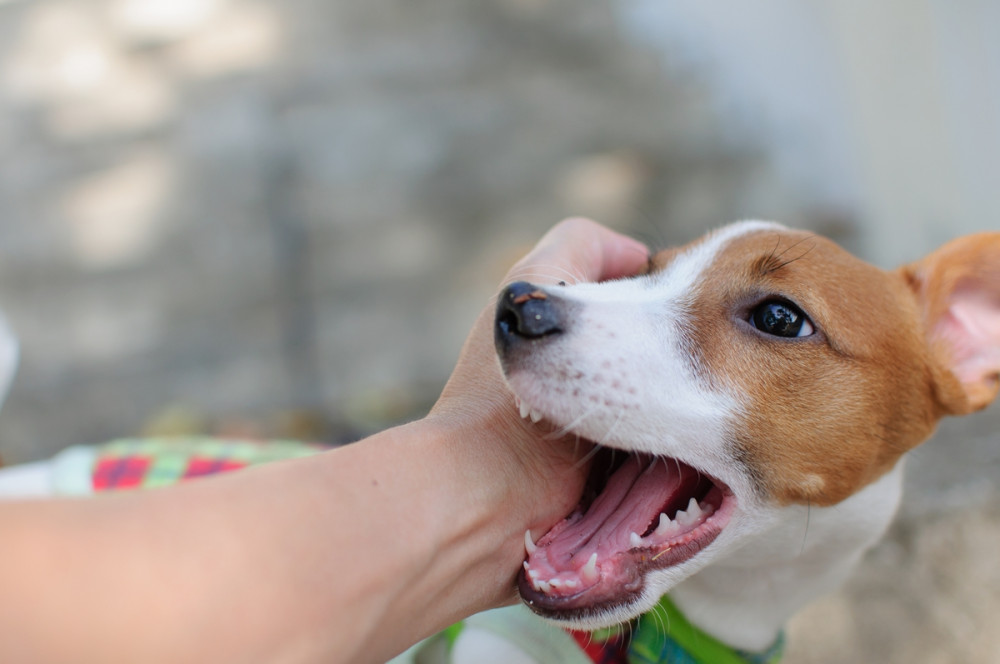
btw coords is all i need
(525, 311)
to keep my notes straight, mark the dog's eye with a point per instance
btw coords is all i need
(781, 319)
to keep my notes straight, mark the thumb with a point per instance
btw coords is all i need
(579, 249)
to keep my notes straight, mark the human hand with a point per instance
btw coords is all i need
(539, 476)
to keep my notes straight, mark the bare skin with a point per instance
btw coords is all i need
(348, 556)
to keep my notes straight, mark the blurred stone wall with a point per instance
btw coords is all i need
(235, 209)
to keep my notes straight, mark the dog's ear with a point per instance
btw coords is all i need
(958, 289)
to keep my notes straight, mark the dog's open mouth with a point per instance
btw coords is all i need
(638, 513)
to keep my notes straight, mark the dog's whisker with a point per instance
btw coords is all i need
(805, 533)
(607, 435)
(575, 272)
(569, 428)
(662, 621)
(650, 232)
(586, 457)
(550, 273)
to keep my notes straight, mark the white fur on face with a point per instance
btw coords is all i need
(621, 375)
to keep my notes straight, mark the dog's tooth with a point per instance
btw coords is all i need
(533, 574)
(529, 544)
(571, 583)
(527, 567)
(543, 586)
(589, 571)
(690, 516)
(524, 408)
(665, 526)
(662, 524)
(693, 509)
(535, 416)
(555, 583)
(634, 540)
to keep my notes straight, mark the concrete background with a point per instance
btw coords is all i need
(280, 218)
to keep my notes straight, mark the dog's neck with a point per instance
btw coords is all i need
(746, 599)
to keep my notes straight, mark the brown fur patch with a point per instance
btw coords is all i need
(826, 414)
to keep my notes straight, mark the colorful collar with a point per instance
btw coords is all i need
(663, 634)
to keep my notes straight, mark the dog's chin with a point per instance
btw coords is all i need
(640, 514)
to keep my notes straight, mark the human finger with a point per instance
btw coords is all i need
(579, 249)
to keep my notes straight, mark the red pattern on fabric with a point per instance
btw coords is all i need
(122, 473)
(199, 466)
(612, 651)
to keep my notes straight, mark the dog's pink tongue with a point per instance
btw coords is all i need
(632, 501)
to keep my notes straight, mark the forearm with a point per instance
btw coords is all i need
(445, 524)
(360, 550)
(350, 555)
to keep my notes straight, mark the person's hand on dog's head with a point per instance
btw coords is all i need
(541, 471)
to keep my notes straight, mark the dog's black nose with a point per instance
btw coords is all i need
(526, 311)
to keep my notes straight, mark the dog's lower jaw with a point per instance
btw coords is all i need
(745, 598)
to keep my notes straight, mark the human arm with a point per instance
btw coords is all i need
(350, 555)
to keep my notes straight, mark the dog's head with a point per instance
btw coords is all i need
(755, 369)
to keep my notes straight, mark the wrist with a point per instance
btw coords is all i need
(451, 544)
(519, 476)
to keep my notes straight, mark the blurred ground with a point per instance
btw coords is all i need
(930, 592)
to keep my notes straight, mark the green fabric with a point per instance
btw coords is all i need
(515, 624)
(155, 462)
(170, 456)
(663, 634)
(452, 633)
(539, 639)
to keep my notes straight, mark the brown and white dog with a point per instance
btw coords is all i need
(762, 387)
(751, 399)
